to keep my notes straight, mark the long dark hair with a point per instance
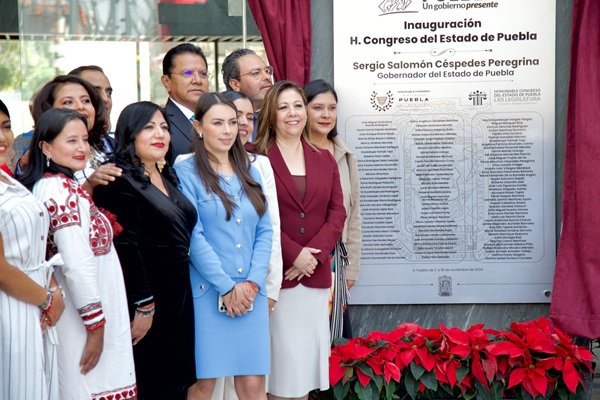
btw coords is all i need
(237, 156)
(315, 88)
(48, 127)
(132, 120)
(267, 117)
(44, 101)
(233, 95)
(4, 109)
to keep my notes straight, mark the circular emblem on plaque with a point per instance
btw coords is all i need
(382, 102)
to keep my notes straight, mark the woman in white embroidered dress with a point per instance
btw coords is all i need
(95, 358)
(27, 362)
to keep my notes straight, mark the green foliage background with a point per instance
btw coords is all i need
(26, 67)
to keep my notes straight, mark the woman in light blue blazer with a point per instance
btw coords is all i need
(230, 251)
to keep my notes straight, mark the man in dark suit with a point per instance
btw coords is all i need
(245, 72)
(185, 77)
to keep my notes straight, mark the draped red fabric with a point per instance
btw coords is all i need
(285, 27)
(575, 306)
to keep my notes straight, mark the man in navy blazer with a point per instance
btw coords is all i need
(185, 77)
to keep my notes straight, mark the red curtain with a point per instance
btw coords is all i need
(286, 31)
(575, 306)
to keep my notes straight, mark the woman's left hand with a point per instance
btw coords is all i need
(140, 327)
(306, 262)
(293, 273)
(249, 291)
(55, 311)
(104, 175)
(350, 283)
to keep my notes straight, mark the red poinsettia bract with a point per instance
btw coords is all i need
(532, 356)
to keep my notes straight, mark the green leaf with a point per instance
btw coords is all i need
(429, 380)
(518, 395)
(389, 390)
(339, 340)
(525, 395)
(412, 386)
(379, 380)
(482, 392)
(374, 391)
(348, 375)
(364, 393)
(340, 391)
(365, 369)
(468, 395)
(496, 388)
(446, 391)
(579, 393)
(462, 372)
(416, 370)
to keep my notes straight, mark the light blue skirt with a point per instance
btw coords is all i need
(228, 346)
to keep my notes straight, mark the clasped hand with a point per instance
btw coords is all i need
(304, 265)
(239, 299)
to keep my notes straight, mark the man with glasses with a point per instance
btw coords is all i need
(185, 77)
(244, 71)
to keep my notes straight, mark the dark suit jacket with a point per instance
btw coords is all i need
(182, 132)
(316, 222)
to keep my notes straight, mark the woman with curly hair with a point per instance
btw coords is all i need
(157, 223)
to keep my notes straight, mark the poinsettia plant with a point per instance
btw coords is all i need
(530, 361)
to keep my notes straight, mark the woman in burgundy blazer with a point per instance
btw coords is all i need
(312, 215)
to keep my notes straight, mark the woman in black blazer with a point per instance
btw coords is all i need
(312, 215)
(153, 248)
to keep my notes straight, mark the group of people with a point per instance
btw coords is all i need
(206, 251)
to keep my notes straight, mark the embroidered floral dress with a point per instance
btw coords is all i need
(95, 293)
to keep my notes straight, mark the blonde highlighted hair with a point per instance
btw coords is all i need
(267, 117)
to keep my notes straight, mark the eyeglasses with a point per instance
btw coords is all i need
(188, 73)
(257, 73)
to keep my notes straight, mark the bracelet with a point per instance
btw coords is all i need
(55, 288)
(254, 286)
(48, 303)
(146, 311)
